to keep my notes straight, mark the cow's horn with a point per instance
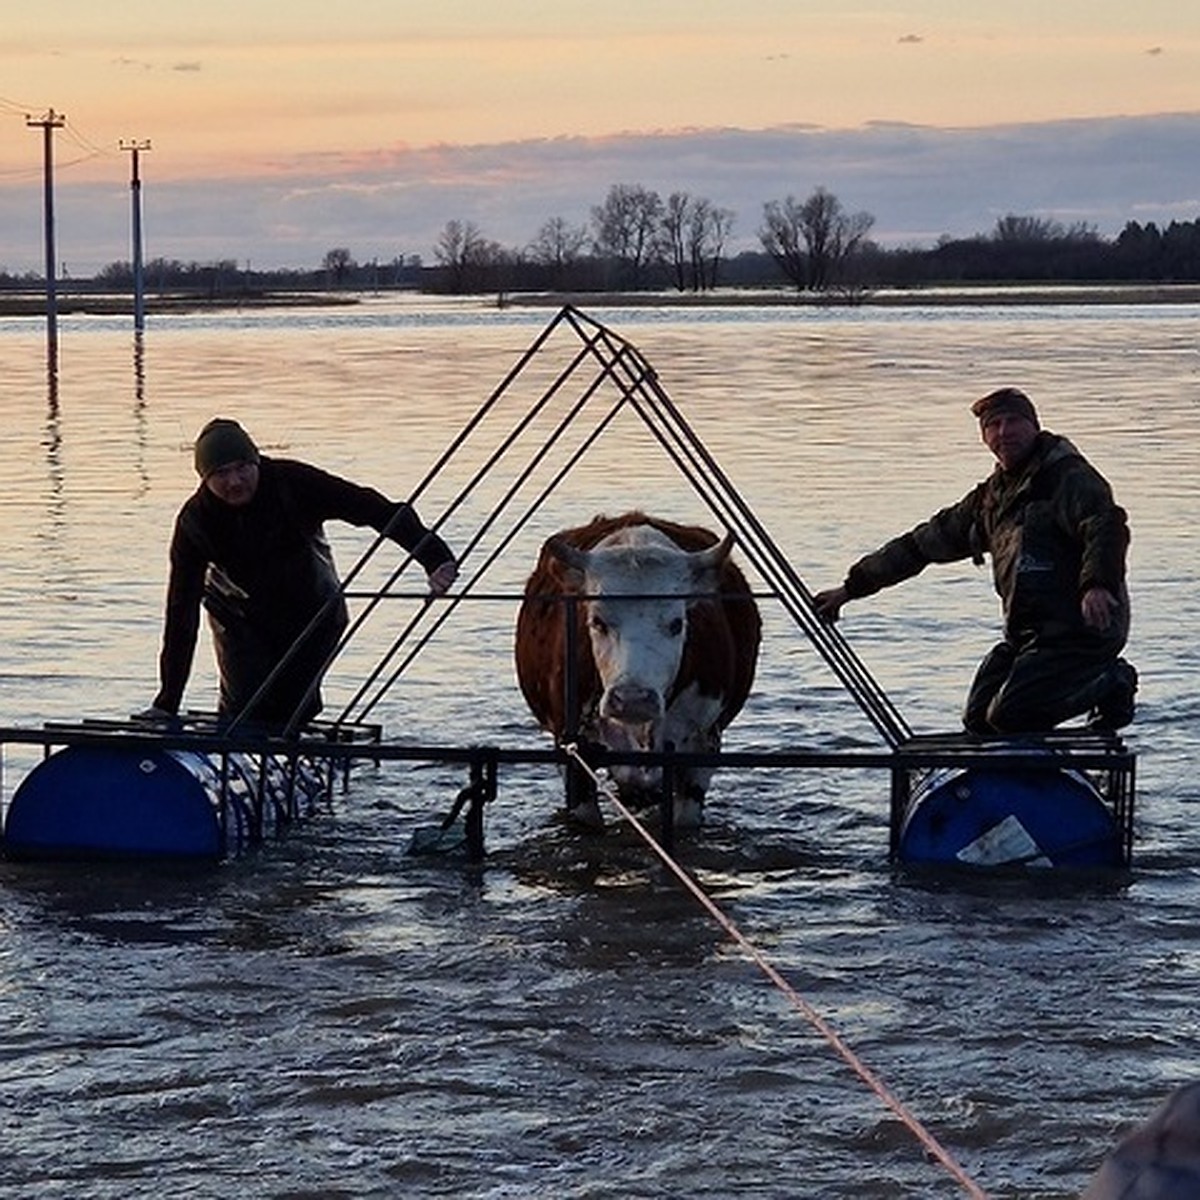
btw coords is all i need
(713, 556)
(567, 554)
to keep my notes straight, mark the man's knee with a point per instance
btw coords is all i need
(1006, 714)
(1041, 694)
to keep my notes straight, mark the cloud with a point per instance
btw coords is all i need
(187, 66)
(911, 39)
(919, 182)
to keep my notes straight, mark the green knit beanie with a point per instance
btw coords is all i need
(220, 443)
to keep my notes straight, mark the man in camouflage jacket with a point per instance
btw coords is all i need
(1058, 543)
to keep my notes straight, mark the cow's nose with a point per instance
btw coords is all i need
(632, 702)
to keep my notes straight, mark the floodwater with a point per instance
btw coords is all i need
(331, 1016)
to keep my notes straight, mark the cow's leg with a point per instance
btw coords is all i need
(692, 726)
(689, 804)
(582, 806)
(586, 813)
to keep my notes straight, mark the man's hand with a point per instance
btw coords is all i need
(1099, 606)
(442, 577)
(829, 603)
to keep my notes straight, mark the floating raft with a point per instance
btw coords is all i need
(1058, 800)
(1064, 798)
(118, 791)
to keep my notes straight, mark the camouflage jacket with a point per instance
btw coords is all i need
(1052, 529)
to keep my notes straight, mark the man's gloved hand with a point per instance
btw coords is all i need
(829, 603)
(442, 577)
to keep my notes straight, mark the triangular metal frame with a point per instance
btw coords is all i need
(601, 362)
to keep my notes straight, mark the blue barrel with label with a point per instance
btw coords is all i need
(121, 801)
(988, 817)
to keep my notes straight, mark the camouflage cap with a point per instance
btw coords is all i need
(1008, 400)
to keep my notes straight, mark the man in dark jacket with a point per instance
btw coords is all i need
(249, 546)
(1058, 543)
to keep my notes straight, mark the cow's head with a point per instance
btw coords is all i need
(637, 583)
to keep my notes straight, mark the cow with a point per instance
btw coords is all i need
(667, 644)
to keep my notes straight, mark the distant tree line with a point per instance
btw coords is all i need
(636, 240)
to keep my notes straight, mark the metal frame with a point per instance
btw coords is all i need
(596, 366)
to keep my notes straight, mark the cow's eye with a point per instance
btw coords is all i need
(676, 627)
(599, 624)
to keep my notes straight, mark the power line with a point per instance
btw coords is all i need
(85, 143)
(89, 147)
(13, 107)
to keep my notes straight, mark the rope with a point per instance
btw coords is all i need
(844, 1051)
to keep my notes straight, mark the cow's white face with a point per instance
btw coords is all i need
(637, 641)
(639, 582)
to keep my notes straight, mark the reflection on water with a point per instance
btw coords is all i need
(334, 1017)
(140, 422)
(52, 443)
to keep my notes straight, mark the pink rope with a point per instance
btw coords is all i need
(844, 1051)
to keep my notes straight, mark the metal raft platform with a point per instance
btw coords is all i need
(1060, 799)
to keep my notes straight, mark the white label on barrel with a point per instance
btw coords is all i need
(1007, 842)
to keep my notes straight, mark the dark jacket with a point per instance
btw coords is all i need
(1052, 529)
(270, 562)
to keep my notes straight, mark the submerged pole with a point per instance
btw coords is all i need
(135, 149)
(50, 122)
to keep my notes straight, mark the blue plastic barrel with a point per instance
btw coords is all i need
(988, 818)
(119, 801)
(97, 801)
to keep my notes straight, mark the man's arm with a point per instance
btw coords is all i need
(181, 623)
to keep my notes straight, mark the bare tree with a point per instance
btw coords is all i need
(558, 247)
(781, 238)
(471, 262)
(831, 236)
(337, 264)
(454, 242)
(812, 242)
(627, 229)
(1013, 229)
(693, 236)
(675, 218)
(708, 230)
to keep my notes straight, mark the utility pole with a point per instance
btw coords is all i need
(48, 123)
(135, 149)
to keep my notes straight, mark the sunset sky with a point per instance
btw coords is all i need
(328, 117)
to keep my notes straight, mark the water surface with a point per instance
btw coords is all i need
(331, 1016)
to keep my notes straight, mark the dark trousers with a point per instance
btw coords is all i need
(1034, 686)
(247, 657)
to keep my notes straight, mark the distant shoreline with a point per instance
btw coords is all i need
(30, 304)
(942, 296)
